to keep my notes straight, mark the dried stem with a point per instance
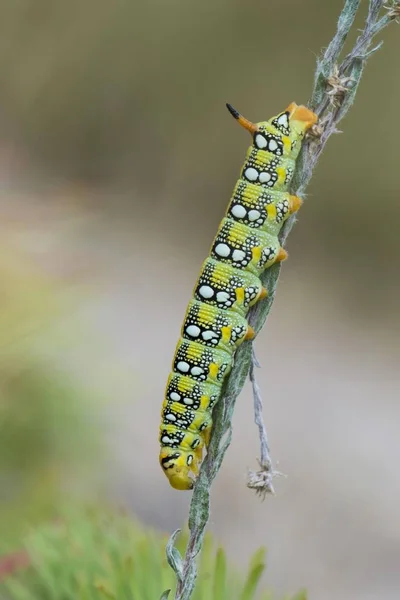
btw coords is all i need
(335, 86)
(260, 481)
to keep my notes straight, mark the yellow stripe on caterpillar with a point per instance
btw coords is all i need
(271, 211)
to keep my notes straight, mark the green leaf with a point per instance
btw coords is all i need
(17, 589)
(258, 558)
(252, 581)
(103, 588)
(102, 555)
(173, 555)
(219, 575)
(302, 595)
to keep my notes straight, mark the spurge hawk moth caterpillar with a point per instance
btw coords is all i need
(228, 285)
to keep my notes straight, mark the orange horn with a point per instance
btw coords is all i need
(241, 120)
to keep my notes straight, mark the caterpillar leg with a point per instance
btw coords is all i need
(302, 114)
(199, 456)
(251, 334)
(206, 433)
(294, 204)
(282, 255)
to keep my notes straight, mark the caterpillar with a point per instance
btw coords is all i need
(228, 285)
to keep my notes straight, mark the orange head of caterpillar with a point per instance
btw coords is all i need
(177, 465)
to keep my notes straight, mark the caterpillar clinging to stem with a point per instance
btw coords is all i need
(228, 285)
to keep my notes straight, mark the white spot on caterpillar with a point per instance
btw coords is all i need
(188, 401)
(196, 371)
(189, 459)
(272, 146)
(251, 174)
(170, 417)
(238, 255)
(193, 330)
(223, 296)
(206, 291)
(222, 250)
(183, 366)
(174, 396)
(283, 120)
(166, 440)
(264, 177)
(254, 215)
(209, 335)
(260, 140)
(238, 211)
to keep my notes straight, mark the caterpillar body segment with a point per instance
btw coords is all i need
(257, 208)
(193, 396)
(244, 248)
(201, 363)
(228, 285)
(213, 326)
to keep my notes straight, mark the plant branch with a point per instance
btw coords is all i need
(260, 481)
(335, 86)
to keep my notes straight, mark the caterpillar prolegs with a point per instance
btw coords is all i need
(228, 285)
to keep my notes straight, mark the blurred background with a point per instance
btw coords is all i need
(117, 160)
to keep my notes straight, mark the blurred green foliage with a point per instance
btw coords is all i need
(94, 554)
(48, 437)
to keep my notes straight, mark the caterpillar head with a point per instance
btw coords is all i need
(177, 465)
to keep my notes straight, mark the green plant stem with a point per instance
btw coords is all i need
(335, 86)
